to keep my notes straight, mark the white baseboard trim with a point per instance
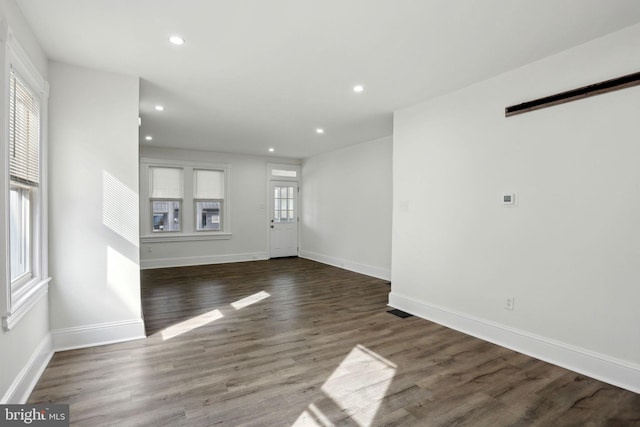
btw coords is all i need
(146, 264)
(28, 377)
(369, 270)
(599, 366)
(99, 334)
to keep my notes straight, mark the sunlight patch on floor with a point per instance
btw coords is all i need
(211, 316)
(357, 387)
(251, 299)
(190, 324)
(306, 420)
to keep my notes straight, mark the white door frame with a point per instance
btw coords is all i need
(282, 172)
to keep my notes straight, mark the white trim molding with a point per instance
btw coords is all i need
(26, 380)
(25, 299)
(99, 334)
(366, 269)
(179, 237)
(599, 366)
(146, 264)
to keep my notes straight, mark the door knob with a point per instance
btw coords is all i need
(272, 226)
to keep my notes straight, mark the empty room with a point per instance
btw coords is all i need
(320, 213)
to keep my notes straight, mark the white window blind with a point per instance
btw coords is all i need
(208, 184)
(24, 132)
(166, 183)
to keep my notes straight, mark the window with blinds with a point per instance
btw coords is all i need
(24, 133)
(166, 195)
(24, 102)
(208, 194)
(24, 172)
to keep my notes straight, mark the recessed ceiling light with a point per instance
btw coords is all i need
(177, 40)
(271, 150)
(159, 108)
(319, 130)
(148, 137)
(358, 88)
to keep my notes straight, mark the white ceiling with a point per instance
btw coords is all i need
(255, 74)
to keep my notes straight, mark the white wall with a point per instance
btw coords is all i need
(568, 251)
(93, 170)
(247, 198)
(346, 208)
(25, 349)
(12, 15)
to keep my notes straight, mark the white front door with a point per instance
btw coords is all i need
(283, 224)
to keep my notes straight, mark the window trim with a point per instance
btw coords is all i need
(17, 299)
(188, 227)
(190, 237)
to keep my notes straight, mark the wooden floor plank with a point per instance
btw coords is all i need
(317, 347)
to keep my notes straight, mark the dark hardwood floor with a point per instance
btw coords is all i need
(293, 342)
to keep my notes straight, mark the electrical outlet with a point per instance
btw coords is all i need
(509, 303)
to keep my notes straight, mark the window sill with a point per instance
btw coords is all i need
(185, 237)
(25, 298)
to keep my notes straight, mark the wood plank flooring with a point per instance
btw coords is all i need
(292, 342)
